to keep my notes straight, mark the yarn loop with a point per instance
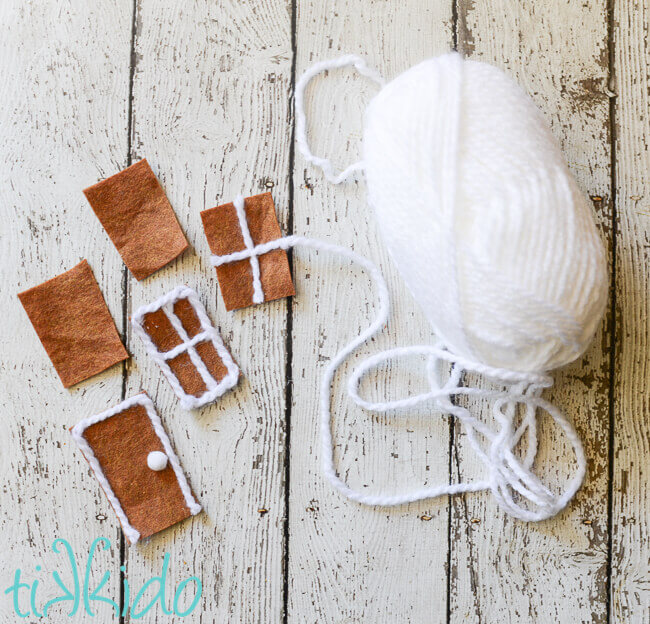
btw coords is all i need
(349, 60)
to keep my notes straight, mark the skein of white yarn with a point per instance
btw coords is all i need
(494, 240)
(485, 222)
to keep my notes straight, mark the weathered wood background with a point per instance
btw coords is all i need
(204, 91)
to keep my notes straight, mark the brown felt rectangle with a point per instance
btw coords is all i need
(189, 320)
(188, 375)
(151, 500)
(161, 331)
(137, 216)
(74, 325)
(212, 361)
(222, 229)
(165, 337)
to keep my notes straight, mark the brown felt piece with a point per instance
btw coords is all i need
(152, 500)
(137, 216)
(212, 361)
(189, 320)
(74, 325)
(224, 236)
(188, 376)
(165, 337)
(161, 331)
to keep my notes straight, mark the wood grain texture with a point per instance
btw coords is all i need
(211, 108)
(349, 563)
(555, 571)
(211, 114)
(630, 581)
(62, 125)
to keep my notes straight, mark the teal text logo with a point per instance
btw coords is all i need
(78, 595)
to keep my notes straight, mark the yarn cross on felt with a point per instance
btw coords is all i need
(241, 225)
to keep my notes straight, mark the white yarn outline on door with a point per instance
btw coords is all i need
(132, 534)
(349, 60)
(506, 473)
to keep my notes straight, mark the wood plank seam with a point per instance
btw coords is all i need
(125, 276)
(611, 60)
(288, 395)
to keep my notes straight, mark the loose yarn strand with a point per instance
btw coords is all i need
(349, 60)
(506, 473)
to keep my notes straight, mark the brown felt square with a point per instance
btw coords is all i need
(224, 236)
(137, 216)
(165, 337)
(74, 325)
(151, 500)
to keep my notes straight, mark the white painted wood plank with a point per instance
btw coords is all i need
(211, 114)
(630, 583)
(503, 569)
(349, 563)
(62, 126)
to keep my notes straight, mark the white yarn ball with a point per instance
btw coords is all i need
(157, 460)
(479, 211)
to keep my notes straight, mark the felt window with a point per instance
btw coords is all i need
(74, 325)
(230, 228)
(181, 338)
(133, 460)
(138, 218)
